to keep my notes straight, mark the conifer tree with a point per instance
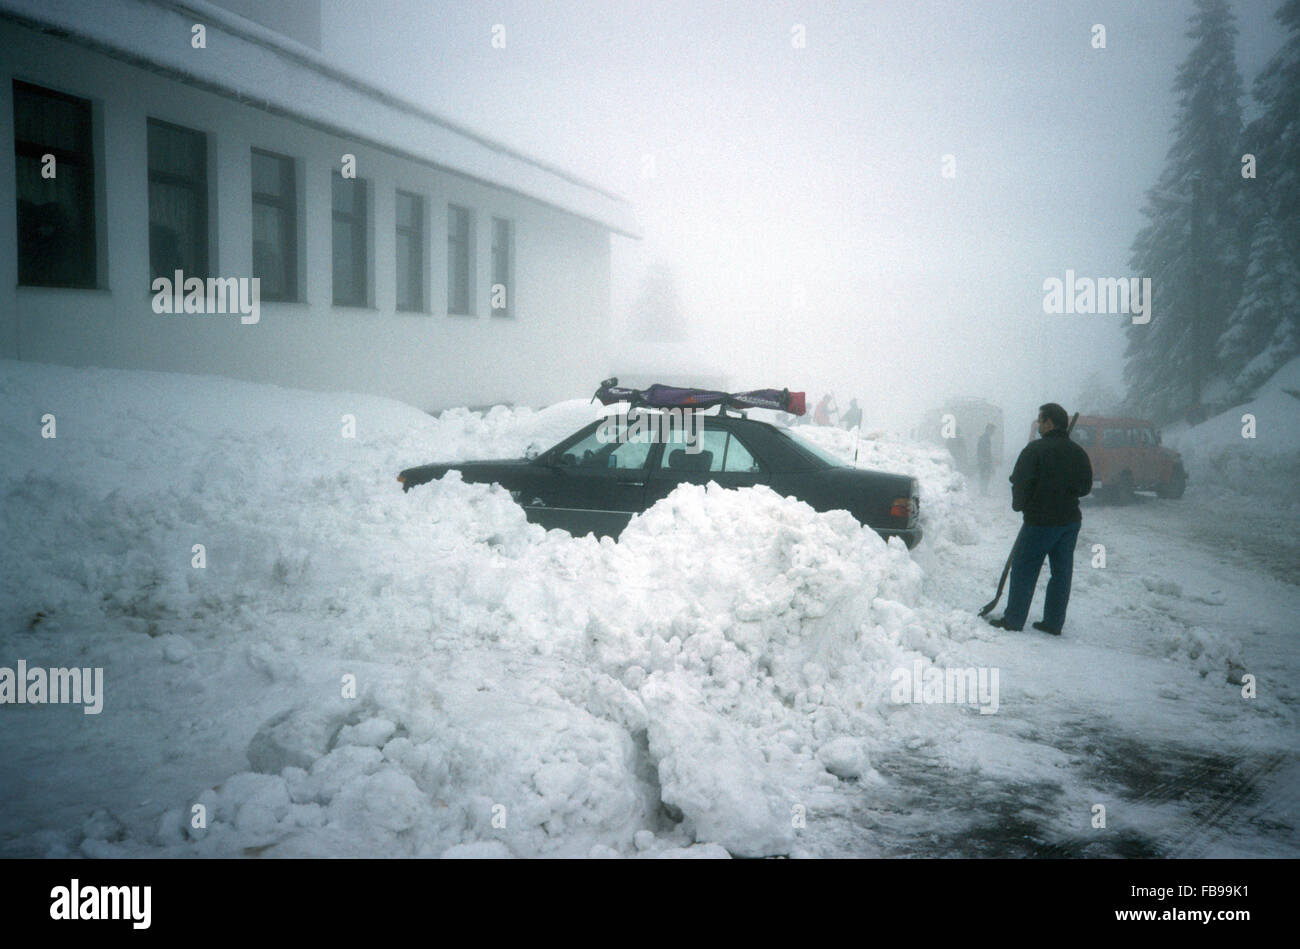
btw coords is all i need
(1191, 246)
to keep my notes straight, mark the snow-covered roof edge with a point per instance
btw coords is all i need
(267, 70)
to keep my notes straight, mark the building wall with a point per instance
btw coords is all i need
(552, 346)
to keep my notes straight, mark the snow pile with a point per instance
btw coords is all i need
(504, 432)
(515, 689)
(1217, 453)
(701, 677)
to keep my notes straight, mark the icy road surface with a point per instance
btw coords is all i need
(718, 682)
(1184, 766)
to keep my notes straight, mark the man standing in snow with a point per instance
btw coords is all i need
(984, 455)
(1050, 476)
(853, 417)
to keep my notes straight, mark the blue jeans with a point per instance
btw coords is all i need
(1056, 543)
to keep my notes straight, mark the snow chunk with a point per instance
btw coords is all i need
(843, 757)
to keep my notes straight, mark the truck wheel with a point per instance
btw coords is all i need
(1124, 488)
(1176, 484)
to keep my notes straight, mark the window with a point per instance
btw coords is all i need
(178, 201)
(719, 451)
(275, 226)
(1114, 437)
(410, 251)
(1084, 435)
(350, 256)
(810, 450)
(736, 457)
(56, 199)
(460, 260)
(596, 452)
(503, 236)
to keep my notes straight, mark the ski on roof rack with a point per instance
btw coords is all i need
(672, 397)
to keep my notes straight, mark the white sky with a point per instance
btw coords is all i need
(819, 167)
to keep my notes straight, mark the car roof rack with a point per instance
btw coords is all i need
(660, 396)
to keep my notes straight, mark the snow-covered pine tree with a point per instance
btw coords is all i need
(1096, 396)
(1274, 138)
(1262, 333)
(1190, 247)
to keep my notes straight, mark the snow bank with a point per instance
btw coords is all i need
(683, 680)
(515, 689)
(1216, 453)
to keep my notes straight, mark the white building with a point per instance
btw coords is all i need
(138, 137)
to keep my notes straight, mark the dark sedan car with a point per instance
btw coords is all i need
(590, 483)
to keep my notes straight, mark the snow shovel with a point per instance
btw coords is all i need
(1006, 568)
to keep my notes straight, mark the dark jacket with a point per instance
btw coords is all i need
(1050, 476)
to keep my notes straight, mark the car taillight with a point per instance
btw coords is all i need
(902, 507)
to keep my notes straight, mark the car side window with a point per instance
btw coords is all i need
(705, 455)
(719, 451)
(597, 452)
(737, 458)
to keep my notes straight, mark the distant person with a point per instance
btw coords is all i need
(853, 417)
(1050, 476)
(984, 457)
(822, 414)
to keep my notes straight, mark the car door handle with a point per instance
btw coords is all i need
(633, 484)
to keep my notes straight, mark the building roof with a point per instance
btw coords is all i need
(268, 70)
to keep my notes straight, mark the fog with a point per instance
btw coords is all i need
(797, 193)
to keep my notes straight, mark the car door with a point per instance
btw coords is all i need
(721, 456)
(592, 485)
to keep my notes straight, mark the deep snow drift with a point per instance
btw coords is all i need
(695, 689)
(1251, 448)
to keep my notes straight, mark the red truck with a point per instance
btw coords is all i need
(1127, 456)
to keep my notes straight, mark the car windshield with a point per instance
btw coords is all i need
(807, 446)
